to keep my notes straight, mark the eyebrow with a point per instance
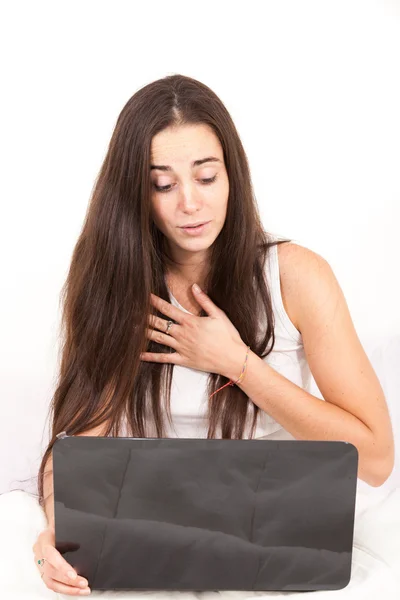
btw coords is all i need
(195, 163)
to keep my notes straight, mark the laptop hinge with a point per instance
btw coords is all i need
(62, 435)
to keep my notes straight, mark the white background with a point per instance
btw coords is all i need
(314, 90)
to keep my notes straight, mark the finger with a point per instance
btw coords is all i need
(60, 577)
(158, 357)
(205, 302)
(168, 309)
(162, 338)
(56, 586)
(52, 556)
(157, 322)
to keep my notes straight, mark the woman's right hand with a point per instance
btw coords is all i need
(55, 568)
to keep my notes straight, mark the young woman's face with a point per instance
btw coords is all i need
(194, 193)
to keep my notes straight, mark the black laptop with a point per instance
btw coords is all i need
(205, 514)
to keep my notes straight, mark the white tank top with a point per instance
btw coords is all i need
(188, 387)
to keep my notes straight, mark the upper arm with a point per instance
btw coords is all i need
(337, 360)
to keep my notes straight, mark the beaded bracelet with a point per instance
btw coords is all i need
(240, 377)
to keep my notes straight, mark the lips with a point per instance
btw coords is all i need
(196, 231)
(194, 225)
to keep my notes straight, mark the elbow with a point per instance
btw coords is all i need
(381, 460)
(381, 472)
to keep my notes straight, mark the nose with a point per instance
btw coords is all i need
(190, 199)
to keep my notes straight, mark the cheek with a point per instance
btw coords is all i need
(223, 193)
(160, 215)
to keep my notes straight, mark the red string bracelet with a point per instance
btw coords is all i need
(240, 377)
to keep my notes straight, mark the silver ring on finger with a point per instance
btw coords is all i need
(170, 323)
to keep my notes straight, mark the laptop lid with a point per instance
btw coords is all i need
(205, 514)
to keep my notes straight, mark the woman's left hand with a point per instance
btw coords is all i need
(205, 343)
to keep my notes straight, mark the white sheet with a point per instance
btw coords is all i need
(375, 565)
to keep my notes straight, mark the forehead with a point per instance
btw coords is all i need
(183, 144)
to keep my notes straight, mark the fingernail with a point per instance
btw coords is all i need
(71, 574)
(83, 583)
(84, 592)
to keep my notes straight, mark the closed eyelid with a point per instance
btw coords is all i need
(168, 186)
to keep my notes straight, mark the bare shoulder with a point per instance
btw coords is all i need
(293, 259)
(299, 268)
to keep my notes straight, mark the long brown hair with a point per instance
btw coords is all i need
(121, 257)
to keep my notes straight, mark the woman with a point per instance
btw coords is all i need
(241, 351)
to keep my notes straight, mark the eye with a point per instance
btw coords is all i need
(209, 180)
(166, 188)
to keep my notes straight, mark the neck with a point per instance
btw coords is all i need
(181, 281)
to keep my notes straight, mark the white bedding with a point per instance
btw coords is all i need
(375, 564)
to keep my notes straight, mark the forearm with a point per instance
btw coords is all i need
(303, 415)
(48, 491)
